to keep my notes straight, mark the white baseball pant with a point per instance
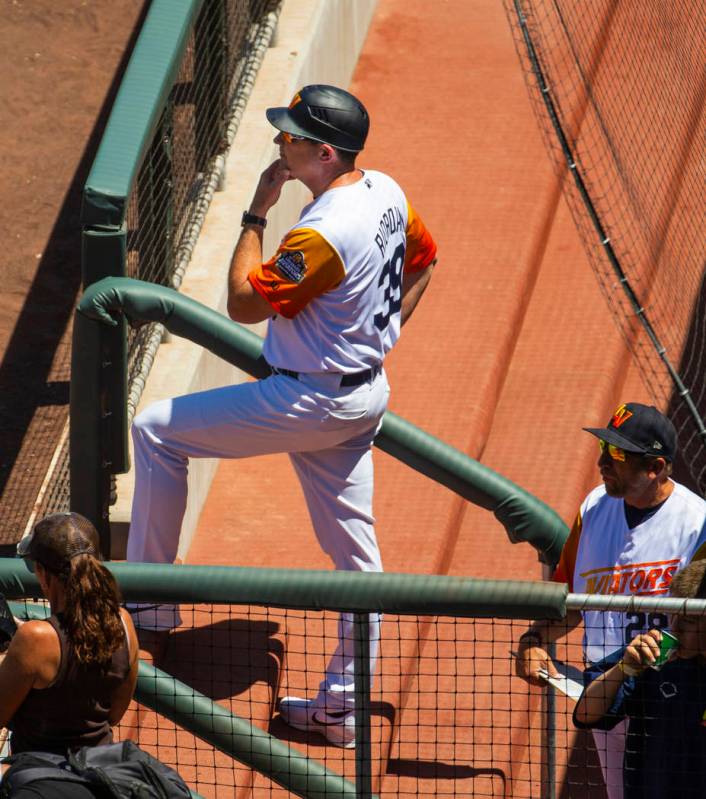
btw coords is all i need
(328, 432)
(610, 745)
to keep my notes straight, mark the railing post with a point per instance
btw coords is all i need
(549, 791)
(98, 445)
(363, 681)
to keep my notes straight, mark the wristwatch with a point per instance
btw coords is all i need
(252, 219)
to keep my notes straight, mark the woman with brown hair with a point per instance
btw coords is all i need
(65, 682)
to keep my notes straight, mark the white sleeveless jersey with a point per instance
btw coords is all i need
(336, 279)
(610, 558)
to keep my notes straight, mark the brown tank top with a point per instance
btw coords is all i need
(73, 711)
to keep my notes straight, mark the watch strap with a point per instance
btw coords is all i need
(252, 219)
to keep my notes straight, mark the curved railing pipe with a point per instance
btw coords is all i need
(308, 589)
(524, 517)
(255, 748)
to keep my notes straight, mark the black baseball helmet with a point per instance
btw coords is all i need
(326, 114)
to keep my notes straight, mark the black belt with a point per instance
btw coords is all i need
(351, 379)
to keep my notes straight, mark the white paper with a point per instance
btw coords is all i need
(563, 683)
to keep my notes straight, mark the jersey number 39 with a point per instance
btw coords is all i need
(391, 279)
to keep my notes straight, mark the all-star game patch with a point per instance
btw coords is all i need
(291, 265)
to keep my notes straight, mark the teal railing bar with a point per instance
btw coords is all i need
(308, 589)
(524, 517)
(143, 92)
(362, 686)
(255, 748)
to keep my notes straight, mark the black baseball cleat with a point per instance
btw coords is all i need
(337, 726)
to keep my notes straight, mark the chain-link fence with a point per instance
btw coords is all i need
(184, 161)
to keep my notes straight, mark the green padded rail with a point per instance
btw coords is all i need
(143, 93)
(525, 518)
(358, 592)
(235, 736)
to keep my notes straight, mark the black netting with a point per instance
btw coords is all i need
(619, 92)
(448, 714)
(56, 495)
(449, 717)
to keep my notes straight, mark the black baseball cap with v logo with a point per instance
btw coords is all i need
(641, 429)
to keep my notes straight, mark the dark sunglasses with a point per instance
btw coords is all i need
(615, 453)
(292, 138)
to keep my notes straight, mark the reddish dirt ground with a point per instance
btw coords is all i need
(510, 353)
(60, 64)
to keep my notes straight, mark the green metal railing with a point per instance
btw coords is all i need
(356, 592)
(107, 303)
(236, 737)
(479, 719)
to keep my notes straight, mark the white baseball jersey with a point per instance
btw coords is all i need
(604, 556)
(335, 284)
(336, 279)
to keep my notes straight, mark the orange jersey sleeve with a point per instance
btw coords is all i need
(421, 248)
(564, 572)
(304, 266)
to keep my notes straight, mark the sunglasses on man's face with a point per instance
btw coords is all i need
(292, 138)
(615, 453)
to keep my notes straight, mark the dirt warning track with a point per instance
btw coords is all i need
(510, 353)
(61, 65)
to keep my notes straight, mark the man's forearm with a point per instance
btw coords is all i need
(246, 257)
(413, 286)
(244, 303)
(547, 631)
(532, 656)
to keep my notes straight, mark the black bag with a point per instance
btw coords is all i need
(8, 627)
(120, 770)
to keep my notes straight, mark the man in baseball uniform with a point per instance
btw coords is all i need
(631, 536)
(343, 281)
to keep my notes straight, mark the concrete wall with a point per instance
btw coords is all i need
(317, 41)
